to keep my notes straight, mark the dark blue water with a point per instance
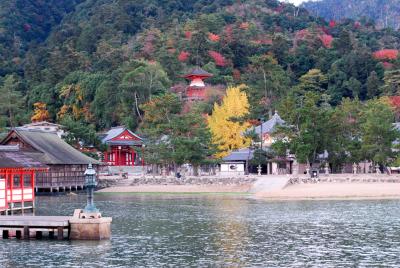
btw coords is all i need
(220, 231)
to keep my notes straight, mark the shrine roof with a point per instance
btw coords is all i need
(50, 148)
(115, 132)
(128, 143)
(12, 157)
(270, 125)
(240, 155)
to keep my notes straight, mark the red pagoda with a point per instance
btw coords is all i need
(196, 91)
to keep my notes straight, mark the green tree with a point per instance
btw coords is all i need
(11, 101)
(345, 134)
(373, 84)
(314, 80)
(392, 83)
(79, 133)
(377, 131)
(174, 138)
(266, 81)
(308, 126)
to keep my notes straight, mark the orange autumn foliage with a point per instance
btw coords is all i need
(217, 57)
(213, 37)
(183, 56)
(326, 40)
(40, 113)
(386, 54)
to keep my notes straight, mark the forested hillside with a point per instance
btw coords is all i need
(94, 63)
(385, 13)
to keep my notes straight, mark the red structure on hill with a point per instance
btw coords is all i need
(196, 91)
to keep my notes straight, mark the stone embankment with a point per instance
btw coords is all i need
(110, 181)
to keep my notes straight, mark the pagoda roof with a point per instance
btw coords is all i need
(198, 72)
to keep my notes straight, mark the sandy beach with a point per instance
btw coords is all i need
(335, 191)
(292, 192)
(177, 189)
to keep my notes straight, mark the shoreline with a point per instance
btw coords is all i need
(296, 192)
(334, 191)
(168, 189)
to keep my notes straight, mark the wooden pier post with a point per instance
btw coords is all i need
(26, 232)
(18, 234)
(5, 234)
(60, 233)
(39, 234)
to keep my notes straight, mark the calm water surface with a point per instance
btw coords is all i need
(220, 231)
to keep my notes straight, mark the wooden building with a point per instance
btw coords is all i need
(123, 148)
(17, 179)
(66, 164)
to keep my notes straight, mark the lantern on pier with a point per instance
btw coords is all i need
(90, 184)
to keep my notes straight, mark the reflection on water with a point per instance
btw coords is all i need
(212, 230)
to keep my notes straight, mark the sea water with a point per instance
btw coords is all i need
(200, 230)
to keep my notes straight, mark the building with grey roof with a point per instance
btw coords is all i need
(66, 164)
(239, 160)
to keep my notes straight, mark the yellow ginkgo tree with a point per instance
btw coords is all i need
(227, 133)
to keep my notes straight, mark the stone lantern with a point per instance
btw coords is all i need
(88, 224)
(90, 184)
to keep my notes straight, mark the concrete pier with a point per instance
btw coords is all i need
(89, 226)
(60, 227)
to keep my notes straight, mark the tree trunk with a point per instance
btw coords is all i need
(195, 170)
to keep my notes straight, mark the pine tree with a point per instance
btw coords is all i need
(372, 85)
(227, 133)
(11, 100)
(392, 83)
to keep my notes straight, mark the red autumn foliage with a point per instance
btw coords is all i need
(213, 37)
(386, 54)
(188, 34)
(332, 23)
(326, 40)
(183, 56)
(395, 102)
(387, 65)
(217, 57)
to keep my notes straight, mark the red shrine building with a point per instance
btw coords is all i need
(196, 91)
(17, 178)
(124, 148)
